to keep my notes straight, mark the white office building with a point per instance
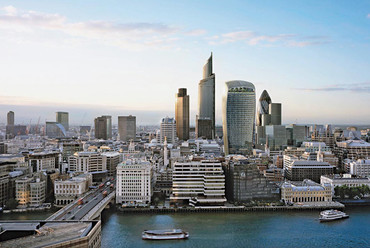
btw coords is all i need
(69, 190)
(360, 168)
(198, 183)
(168, 129)
(135, 181)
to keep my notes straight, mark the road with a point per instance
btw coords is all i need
(77, 212)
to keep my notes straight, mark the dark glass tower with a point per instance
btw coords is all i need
(263, 107)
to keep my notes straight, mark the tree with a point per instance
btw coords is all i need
(11, 203)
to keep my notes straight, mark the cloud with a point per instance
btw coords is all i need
(196, 32)
(254, 38)
(359, 88)
(136, 34)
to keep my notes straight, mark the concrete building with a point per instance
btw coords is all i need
(206, 99)
(112, 159)
(3, 148)
(50, 234)
(182, 114)
(337, 180)
(167, 130)
(63, 118)
(239, 111)
(10, 118)
(296, 169)
(69, 148)
(275, 113)
(198, 183)
(127, 127)
(87, 162)
(66, 191)
(135, 182)
(360, 167)
(37, 192)
(30, 191)
(352, 149)
(306, 192)
(103, 127)
(44, 161)
(203, 128)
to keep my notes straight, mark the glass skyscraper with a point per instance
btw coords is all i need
(263, 106)
(239, 110)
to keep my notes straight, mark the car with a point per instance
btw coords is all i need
(79, 206)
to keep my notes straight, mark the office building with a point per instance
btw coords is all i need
(182, 114)
(262, 107)
(10, 118)
(62, 118)
(103, 127)
(339, 180)
(87, 162)
(275, 113)
(135, 182)
(360, 167)
(206, 99)
(44, 161)
(167, 130)
(198, 183)
(296, 169)
(245, 182)
(239, 111)
(127, 127)
(203, 128)
(66, 191)
(55, 130)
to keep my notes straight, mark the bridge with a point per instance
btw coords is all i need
(89, 207)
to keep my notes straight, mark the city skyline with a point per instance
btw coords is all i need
(311, 58)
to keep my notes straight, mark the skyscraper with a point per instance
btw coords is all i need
(206, 99)
(168, 129)
(239, 110)
(63, 118)
(103, 127)
(263, 107)
(10, 118)
(182, 114)
(127, 127)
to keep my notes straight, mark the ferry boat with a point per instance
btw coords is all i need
(165, 234)
(330, 215)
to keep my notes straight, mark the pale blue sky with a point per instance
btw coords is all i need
(129, 57)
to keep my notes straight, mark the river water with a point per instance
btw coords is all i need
(247, 229)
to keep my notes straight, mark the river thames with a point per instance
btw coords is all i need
(246, 229)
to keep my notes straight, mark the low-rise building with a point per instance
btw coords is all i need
(30, 191)
(47, 160)
(307, 191)
(69, 190)
(337, 180)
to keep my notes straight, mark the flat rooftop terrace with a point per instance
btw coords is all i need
(27, 234)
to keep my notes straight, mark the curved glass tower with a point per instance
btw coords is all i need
(206, 102)
(263, 106)
(238, 114)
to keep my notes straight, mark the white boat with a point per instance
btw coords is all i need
(330, 215)
(165, 234)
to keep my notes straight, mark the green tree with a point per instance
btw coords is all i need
(11, 203)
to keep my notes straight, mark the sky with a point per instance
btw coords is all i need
(94, 58)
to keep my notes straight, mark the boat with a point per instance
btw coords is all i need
(165, 234)
(331, 215)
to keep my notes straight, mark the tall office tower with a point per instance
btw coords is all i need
(239, 110)
(63, 118)
(127, 127)
(10, 118)
(206, 99)
(168, 129)
(275, 113)
(103, 127)
(263, 107)
(182, 114)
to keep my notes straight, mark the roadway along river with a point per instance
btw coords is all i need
(258, 229)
